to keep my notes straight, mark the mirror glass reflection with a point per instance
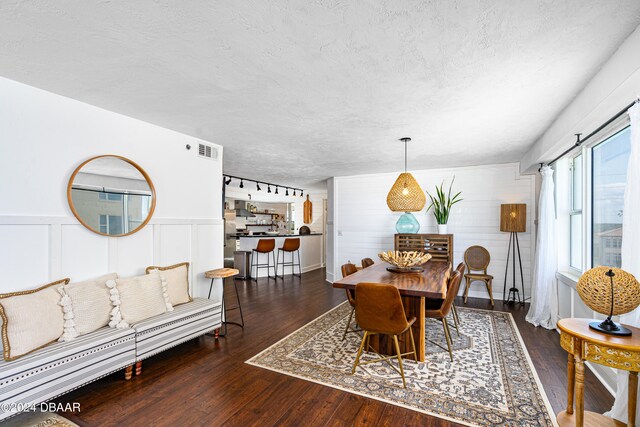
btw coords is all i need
(111, 196)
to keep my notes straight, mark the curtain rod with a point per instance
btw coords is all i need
(261, 182)
(579, 141)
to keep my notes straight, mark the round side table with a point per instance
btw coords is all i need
(585, 344)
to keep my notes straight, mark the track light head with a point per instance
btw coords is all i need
(268, 189)
(276, 190)
(294, 191)
(287, 193)
(227, 181)
(301, 193)
(258, 186)
(241, 184)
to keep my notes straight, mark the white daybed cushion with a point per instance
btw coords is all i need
(137, 298)
(177, 278)
(31, 319)
(90, 304)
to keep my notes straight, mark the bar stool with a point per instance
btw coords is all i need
(223, 273)
(291, 246)
(265, 246)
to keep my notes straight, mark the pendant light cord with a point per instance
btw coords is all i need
(405, 155)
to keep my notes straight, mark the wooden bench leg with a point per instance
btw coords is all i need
(139, 367)
(128, 372)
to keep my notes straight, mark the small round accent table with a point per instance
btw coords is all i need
(585, 344)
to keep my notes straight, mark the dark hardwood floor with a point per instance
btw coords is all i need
(205, 382)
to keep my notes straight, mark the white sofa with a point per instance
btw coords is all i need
(64, 366)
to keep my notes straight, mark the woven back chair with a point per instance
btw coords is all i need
(478, 258)
(347, 270)
(380, 311)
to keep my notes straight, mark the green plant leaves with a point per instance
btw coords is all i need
(442, 204)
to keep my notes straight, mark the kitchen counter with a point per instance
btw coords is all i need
(266, 236)
(311, 253)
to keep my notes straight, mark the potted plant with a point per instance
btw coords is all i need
(441, 205)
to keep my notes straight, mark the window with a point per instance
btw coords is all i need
(114, 197)
(575, 214)
(111, 224)
(590, 189)
(609, 175)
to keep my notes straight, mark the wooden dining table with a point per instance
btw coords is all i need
(414, 289)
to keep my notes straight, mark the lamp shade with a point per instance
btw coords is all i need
(406, 195)
(594, 288)
(513, 217)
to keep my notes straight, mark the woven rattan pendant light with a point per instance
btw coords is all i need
(406, 195)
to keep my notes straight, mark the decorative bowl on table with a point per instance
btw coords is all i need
(405, 262)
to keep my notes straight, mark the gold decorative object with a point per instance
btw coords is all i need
(405, 194)
(404, 260)
(609, 291)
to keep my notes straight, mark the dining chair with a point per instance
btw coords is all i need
(441, 313)
(348, 269)
(380, 312)
(367, 262)
(477, 258)
(461, 269)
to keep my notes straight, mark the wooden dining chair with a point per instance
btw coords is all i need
(348, 269)
(461, 269)
(367, 262)
(441, 313)
(380, 311)
(477, 258)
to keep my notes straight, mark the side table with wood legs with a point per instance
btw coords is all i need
(587, 345)
(223, 273)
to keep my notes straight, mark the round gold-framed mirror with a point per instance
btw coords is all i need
(111, 195)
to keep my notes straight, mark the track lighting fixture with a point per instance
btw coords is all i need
(228, 178)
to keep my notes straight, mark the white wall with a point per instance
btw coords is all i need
(43, 138)
(611, 89)
(364, 225)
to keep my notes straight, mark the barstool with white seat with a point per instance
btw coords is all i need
(265, 246)
(291, 246)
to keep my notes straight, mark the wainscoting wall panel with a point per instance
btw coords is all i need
(54, 247)
(363, 225)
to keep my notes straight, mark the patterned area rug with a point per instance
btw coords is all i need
(38, 419)
(491, 381)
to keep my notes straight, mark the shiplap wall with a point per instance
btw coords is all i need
(317, 213)
(43, 139)
(364, 226)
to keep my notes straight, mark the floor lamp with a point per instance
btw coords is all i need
(513, 219)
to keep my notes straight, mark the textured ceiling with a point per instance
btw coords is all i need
(298, 91)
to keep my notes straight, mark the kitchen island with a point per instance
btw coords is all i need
(311, 257)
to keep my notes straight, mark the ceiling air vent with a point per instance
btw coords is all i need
(207, 151)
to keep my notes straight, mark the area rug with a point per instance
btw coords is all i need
(38, 419)
(491, 381)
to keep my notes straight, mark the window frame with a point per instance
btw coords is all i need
(586, 150)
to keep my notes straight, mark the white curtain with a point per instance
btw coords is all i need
(543, 309)
(630, 251)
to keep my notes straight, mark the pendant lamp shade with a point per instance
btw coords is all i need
(406, 195)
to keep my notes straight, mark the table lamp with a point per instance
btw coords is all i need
(513, 219)
(609, 291)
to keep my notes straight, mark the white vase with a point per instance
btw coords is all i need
(442, 228)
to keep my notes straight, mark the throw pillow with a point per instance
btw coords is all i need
(137, 298)
(89, 304)
(177, 282)
(31, 319)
